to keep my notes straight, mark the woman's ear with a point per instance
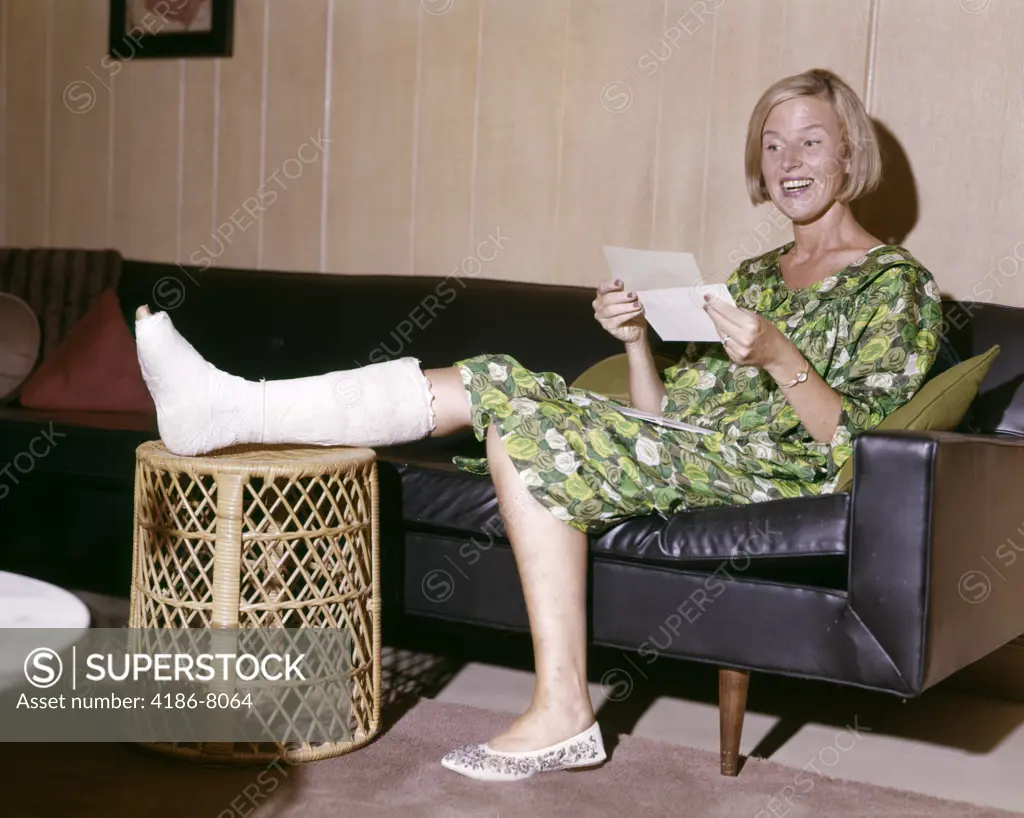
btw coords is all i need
(846, 153)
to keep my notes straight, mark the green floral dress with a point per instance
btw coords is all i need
(870, 331)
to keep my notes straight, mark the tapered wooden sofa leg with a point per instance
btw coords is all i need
(732, 704)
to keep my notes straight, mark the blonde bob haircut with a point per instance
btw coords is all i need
(859, 144)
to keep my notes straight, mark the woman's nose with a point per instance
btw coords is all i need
(790, 160)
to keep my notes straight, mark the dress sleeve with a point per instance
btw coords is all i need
(893, 342)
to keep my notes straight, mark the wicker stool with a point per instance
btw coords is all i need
(273, 537)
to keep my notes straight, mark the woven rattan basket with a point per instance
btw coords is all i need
(272, 537)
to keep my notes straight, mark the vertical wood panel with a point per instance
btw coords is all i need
(827, 34)
(949, 113)
(239, 151)
(756, 44)
(199, 168)
(1007, 254)
(682, 60)
(444, 152)
(295, 123)
(610, 147)
(79, 109)
(754, 30)
(518, 135)
(513, 137)
(146, 159)
(370, 168)
(27, 216)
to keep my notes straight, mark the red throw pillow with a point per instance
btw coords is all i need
(94, 369)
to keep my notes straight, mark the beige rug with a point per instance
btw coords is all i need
(399, 775)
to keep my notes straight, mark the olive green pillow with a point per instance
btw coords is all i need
(939, 406)
(610, 377)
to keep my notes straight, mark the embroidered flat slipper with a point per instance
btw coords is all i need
(479, 761)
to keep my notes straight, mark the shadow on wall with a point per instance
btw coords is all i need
(890, 211)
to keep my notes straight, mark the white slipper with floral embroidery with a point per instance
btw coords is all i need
(479, 761)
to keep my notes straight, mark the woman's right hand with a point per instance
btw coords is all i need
(620, 313)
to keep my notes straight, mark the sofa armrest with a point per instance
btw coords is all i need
(936, 532)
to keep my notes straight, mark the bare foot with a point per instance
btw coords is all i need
(542, 726)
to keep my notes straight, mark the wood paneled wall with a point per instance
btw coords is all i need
(394, 136)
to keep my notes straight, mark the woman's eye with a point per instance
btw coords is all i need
(810, 142)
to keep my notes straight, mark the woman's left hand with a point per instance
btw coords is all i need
(748, 339)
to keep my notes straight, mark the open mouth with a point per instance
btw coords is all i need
(796, 187)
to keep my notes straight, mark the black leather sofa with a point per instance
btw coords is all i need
(891, 587)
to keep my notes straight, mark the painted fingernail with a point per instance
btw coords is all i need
(631, 295)
(707, 298)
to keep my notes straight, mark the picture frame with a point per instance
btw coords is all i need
(155, 29)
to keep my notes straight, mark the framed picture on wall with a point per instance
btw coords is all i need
(146, 29)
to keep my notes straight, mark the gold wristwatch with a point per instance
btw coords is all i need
(800, 377)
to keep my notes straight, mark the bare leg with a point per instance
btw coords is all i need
(451, 402)
(552, 562)
(200, 409)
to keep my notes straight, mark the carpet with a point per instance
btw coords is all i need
(399, 775)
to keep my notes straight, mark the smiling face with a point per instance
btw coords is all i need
(802, 157)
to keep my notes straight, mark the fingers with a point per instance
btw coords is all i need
(741, 318)
(728, 319)
(607, 300)
(622, 308)
(734, 314)
(725, 326)
(736, 356)
(613, 324)
(737, 339)
(614, 308)
(613, 316)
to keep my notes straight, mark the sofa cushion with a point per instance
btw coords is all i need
(778, 529)
(59, 284)
(436, 495)
(20, 340)
(34, 442)
(94, 369)
(939, 406)
(439, 498)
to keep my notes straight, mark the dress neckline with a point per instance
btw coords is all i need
(832, 277)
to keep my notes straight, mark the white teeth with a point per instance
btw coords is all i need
(797, 184)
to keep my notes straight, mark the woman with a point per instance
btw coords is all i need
(831, 333)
